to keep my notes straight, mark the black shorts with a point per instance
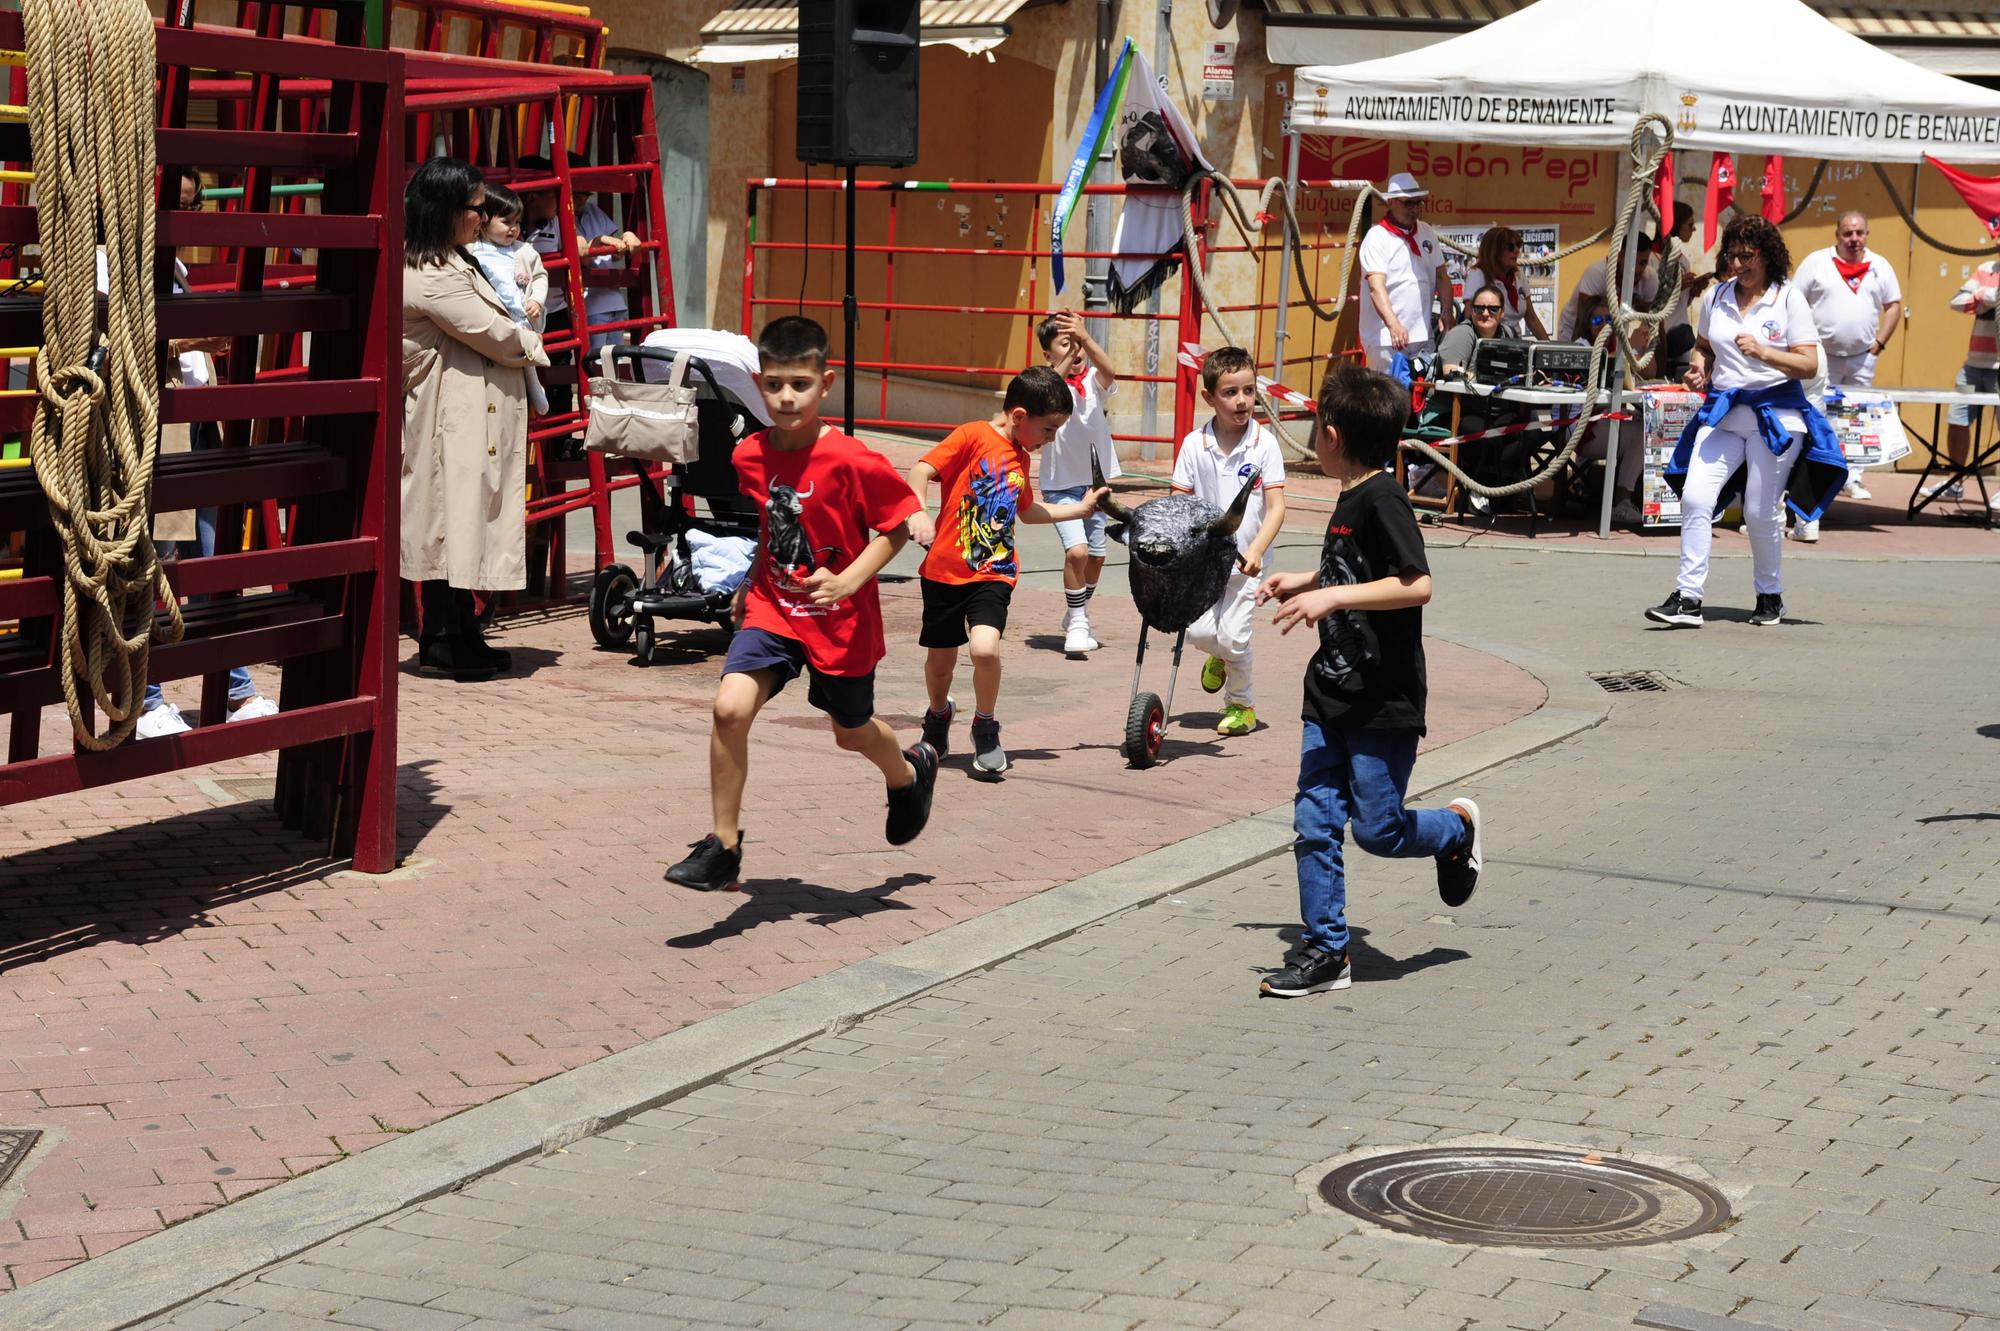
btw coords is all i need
(849, 700)
(952, 608)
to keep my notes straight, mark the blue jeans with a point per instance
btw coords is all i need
(206, 435)
(1358, 775)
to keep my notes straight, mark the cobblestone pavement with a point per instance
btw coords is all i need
(1746, 927)
(198, 1004)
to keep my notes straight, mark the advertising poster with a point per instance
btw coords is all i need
(1538, 241)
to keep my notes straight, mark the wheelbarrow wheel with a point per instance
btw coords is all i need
(1145, 727)
(610, 605)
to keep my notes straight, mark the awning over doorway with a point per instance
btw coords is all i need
(1949, 36)
(769, 29)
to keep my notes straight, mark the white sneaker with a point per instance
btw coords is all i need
(1856, 490)
(1948, 490)
(1805, 531)
(166, 719)
(1077, 642)
(255, 709)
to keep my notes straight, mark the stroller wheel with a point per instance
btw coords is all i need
(642, 644)
(1145, 727)
(610, 605)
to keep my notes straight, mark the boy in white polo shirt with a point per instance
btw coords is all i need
(1402, 270)
(1074, 354)
(1213, 463)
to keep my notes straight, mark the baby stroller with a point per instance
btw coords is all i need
(624, 602)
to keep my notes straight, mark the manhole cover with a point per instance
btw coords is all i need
(1632, 681)
(15, 1143)
(1525, 1198)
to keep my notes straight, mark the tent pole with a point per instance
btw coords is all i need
(1628, 264)
(1285, 255)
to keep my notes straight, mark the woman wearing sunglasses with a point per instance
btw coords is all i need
(1499, 266)
(1756, 430)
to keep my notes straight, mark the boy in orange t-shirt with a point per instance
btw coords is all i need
(968, 576)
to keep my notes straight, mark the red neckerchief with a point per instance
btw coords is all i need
(1408, 237)
(1075, 382)
(1513, 293)
(1852, 272)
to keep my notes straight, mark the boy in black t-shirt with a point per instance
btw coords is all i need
(1364, 691)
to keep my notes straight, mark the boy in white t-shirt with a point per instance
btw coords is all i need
(1071, 352)
(1213, 463)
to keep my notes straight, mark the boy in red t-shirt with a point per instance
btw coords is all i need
(968, 576)
(834, 513)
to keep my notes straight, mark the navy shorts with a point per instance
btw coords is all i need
(952, 608)
(849, 700)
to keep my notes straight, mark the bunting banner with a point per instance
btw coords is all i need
(1721, 196)
(1774, 189)
(1088, 150)
(1156, 147)
(1981, 194)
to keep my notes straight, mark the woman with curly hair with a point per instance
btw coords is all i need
(1756, 430)
(1499, 264)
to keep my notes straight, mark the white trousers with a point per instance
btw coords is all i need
(1717, 455)
(1225, 632)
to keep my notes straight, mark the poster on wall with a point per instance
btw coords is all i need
(1538, 241)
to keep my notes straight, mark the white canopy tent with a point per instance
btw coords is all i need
(1736, 76)
(1756, 76)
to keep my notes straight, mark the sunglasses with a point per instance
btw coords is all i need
(1486, 309)
(1511, 246)
(1599, 320)
(1741, 256)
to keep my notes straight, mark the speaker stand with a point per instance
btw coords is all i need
(849, 311)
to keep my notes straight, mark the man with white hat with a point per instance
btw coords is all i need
(1402, 270)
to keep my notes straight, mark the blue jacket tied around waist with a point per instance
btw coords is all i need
(1817, 474)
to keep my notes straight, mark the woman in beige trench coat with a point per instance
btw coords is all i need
(465, 423)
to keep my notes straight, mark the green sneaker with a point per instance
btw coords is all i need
(1214, 674)
(1236, 720)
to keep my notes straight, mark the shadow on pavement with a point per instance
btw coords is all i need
(155, 880)
(1370, 962)
(1992, 731)
(771, 900)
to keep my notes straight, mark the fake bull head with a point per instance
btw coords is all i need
(1182, 551)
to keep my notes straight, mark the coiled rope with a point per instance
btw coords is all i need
(91, 69)
(1645, 158)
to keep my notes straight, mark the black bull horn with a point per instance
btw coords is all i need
(1225, 525)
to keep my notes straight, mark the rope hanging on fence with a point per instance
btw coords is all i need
(1645, 159)
(91, 69)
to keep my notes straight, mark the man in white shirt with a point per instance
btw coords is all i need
(1645, 283)
(1857, 305)
(1402, 270)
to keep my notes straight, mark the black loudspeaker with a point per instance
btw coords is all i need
(858, 82)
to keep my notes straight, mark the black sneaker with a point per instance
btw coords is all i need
(989, 760)
(1770, 610)
(1682, 612)
(1315, 972)
(910, 807)
(1458, 870)
(709, 867)
(937, 728)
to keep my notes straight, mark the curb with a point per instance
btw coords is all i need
(159, 1273)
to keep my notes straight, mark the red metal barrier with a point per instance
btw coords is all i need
(1179, 322)
(324, 607)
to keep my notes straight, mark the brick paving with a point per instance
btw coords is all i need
(199, 1005)
(1739, 928)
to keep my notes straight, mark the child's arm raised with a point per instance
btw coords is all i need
(829, 588)
(922, 527)
(1251, 561)
(1099, 358)
(1400, 592)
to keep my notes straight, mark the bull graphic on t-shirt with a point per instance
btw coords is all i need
(790, 552)
(986, 514)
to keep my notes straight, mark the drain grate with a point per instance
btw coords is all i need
(1525, 1198)
(1633, 681)
(15, 1143)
